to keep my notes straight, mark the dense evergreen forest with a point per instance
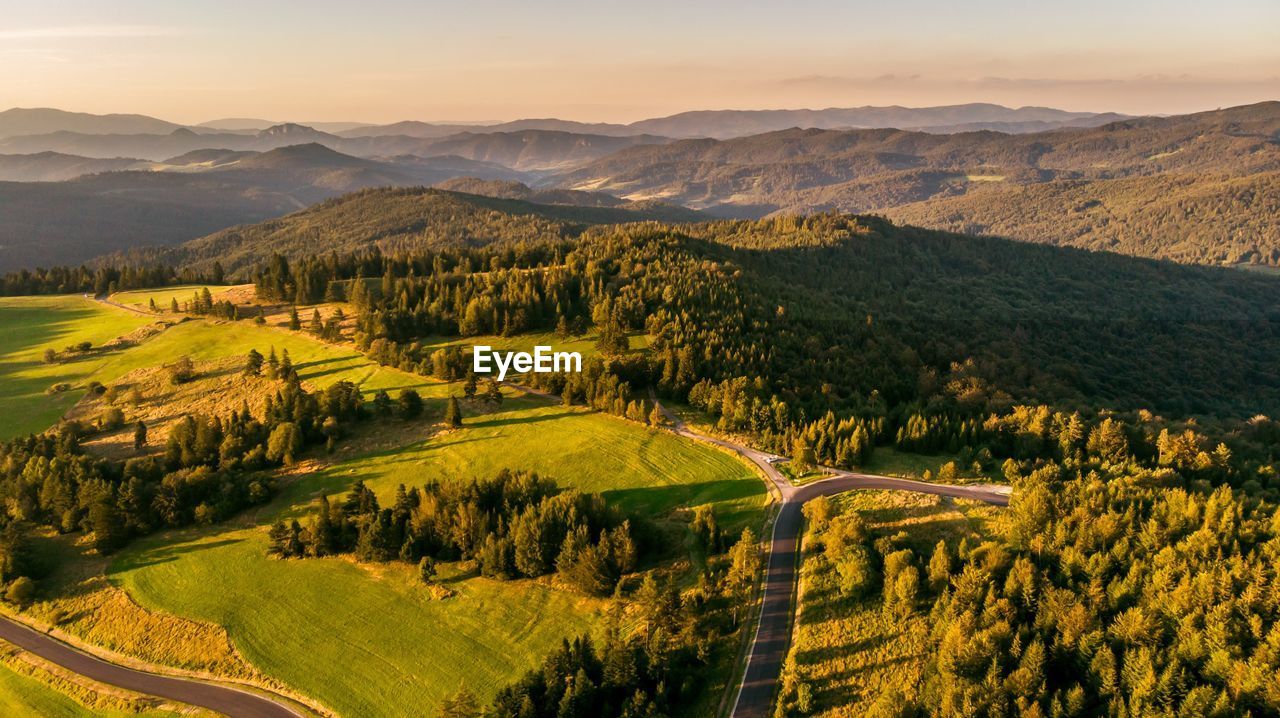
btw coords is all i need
(1112, 586)
(779, 322)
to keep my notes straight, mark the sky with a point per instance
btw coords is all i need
(600, 60)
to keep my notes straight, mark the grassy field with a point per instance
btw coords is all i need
(302, 621)
(318, 363)
(366, 640)
(33, 324)
(641, 469)
(849, 651)
(141, 298)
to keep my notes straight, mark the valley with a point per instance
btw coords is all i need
(959, 409)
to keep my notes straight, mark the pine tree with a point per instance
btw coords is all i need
(294, 323)
(940, 567)
(253, 363)
(493, 392)
(139, 435)
(453, 413)
(273, 365)
(109, 532)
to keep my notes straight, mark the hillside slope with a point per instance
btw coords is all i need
(391, 220)
(1209, 219)
(189, 196)
(876, 170)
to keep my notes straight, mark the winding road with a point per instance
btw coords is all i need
(227, 700)
(769, 647)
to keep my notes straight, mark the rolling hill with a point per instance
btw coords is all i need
(528, 149)
(1207, 219)
(724, 124)
(189, 196)
(392, 220)
(878, 170)
(39, 120)
(573, 198)
(55, 167)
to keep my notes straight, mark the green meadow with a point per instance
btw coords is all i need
(33, 324)
(307, 621)
(372, 639)
(163, 298)
(645, 470)
(30, 326)
(363, 640)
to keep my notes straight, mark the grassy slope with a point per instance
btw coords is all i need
(850, 651)
(365, 640)
(641, 469)
(141, 298)
(302, 620)
(33, 324)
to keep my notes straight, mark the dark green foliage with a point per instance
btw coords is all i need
(514, 525)
(658, 667)
(208, 470)
(107, 523)
(453, 414)
(410, 404)
(83, 280)
(253, 363)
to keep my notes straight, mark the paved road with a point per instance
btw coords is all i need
(223, 699)
(769, 647)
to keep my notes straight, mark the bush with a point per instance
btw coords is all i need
(182, 371)
(21, 591)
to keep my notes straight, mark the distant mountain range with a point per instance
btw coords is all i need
(159, 203)
(1194, 188)
(527, 150)
(719, 124)
(1147, 186)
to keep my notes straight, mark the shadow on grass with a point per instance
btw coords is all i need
(502, 420)
(166, 554)
(656, 500)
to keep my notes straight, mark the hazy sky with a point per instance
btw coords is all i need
(386, 60)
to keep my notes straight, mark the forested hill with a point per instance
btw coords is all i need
(843, 306)
(830, 312)
(1208, 178)
(393, 220)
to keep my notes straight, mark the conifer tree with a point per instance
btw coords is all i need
(453, 413)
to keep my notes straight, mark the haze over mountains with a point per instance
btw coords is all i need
(1194, 188)
(720, 124)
